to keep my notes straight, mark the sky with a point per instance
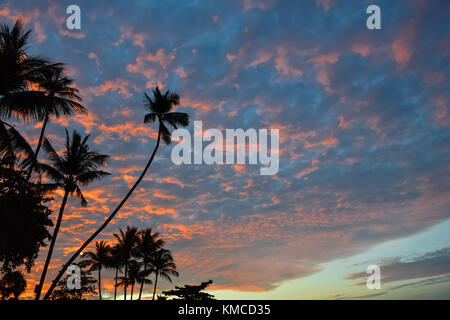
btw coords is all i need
(363, 117)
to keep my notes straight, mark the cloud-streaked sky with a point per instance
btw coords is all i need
(364, 137)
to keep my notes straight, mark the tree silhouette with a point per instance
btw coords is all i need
(78, 166)
(87, 283)
(133, 276)
(190, 292)
(148, 244)
(96, 260)
(24, 216)
(127, 242)
(59, 95)
(163, 266)
(12, 283)
(17, 71)
(159, 106)
(115, 262)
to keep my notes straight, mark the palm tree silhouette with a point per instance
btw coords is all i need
(97, 259)
(78, 166)
(127, 242)
(163, 266)
(132, 276)
(17, 71)
(115, 262)
(149, 243)
(159, 106)
(59, 95)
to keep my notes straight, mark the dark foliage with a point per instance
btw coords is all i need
(62, 292)
(190, 292)
(24, 219)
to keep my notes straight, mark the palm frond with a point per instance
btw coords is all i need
(165, 134)
(80, 197)
(90, 176)
(150, 117)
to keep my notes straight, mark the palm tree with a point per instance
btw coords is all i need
(115, 262)
(142, 279)
(133, 275)
(127, 242)
(60, 96)
(17, 71)
(78, 166)
(149, 243)
(159, 108)
(163, 266)
(96, 260)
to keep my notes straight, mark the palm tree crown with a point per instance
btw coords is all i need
(159, 107)
(17, 68)
(77, 166)
(127, 242)
(149, 243)
(97, 259)
(57, 95)
(163, 266)
(17, 72)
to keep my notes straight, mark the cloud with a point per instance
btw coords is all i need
(431, 264)
(363, 127)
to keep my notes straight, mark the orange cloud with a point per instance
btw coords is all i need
(326, 143)
(307, 171)
(362, 49)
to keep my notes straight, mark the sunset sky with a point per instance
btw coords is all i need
(364, 120)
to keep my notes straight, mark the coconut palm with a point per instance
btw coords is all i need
(115, 262)
(149, 243)
(17, 71)
(78, 166)
(142, 279)
(159, 108)
(97, 260)
(163, 266)
(60, 97)
(127, 242)
(132, 277)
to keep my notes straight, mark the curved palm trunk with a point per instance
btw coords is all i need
(154, 288)
(41, 136)
(107, 221)
(100, 283)
(115, 285)
(132, 288)
(142, 282)
(52, 245)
